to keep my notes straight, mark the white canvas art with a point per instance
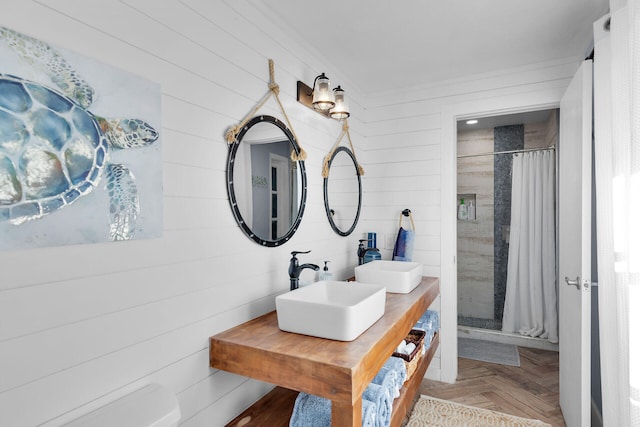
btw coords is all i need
(80, 148)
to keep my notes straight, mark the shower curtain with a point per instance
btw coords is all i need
(530, 306)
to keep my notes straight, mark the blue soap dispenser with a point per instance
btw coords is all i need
(373, 254)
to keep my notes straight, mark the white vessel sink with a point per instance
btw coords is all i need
(331, 309)
(397, 276)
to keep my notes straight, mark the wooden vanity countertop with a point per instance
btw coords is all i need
(336, 370)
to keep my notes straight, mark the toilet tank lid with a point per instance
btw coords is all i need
(150, 406)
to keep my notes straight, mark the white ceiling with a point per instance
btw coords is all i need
(412, 43)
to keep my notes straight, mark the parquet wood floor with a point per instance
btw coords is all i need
(529, 391)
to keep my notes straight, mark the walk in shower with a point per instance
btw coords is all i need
(484, 172)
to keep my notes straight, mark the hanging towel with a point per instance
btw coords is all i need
(314, 411)
(397, 364)
(403, 249)
(388, 378)
(382, 401)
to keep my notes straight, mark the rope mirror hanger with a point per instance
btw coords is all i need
(274, 90)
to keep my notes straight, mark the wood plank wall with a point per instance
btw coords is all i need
(82, 325)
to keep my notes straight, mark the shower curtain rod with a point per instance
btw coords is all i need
(524, 150)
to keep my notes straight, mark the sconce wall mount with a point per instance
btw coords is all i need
(321, 99)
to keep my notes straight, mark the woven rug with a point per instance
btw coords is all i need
(487, 351)
(432, 412)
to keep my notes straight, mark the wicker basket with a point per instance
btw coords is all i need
(411, 360)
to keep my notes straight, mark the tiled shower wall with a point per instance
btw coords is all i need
(475, 238)
(483, 243)
(506, 138)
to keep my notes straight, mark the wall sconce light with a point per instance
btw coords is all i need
(340, 110)
(322, 99)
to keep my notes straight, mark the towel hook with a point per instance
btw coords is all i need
(407, 213)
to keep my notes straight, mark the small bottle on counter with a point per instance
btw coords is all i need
(325, 274)
(373, 254)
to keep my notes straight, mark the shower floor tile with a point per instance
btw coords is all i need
(475, 322)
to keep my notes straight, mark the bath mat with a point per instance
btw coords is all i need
(431, 412)
(487, 351)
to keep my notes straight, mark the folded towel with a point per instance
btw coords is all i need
(396, 364)
(424, 325)
(380, 397)
(311, 411)
(429, 322)
(314, 411)
(401, 347)
(369, 416)
(429, 319)
(409, 348)
(421, 325)
(388, 378)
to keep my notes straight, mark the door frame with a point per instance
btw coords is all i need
(521, 102)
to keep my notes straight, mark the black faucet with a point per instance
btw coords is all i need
(362, 251)
(295, 269)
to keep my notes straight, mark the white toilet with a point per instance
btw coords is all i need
(150, 406)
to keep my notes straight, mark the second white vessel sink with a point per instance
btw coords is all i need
(331, 309)
(397, 276)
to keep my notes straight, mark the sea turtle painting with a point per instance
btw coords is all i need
(54, 151)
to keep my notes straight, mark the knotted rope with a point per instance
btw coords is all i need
(410, 215)
(327, 158)
(274, 90)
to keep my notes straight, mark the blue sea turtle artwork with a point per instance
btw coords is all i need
(54, 151)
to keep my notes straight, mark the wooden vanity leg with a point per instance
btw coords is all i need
(344, 414)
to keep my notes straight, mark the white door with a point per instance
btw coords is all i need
(280, 197)
(574, 247)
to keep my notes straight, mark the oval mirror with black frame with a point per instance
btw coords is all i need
(267, 190)
(343, 192)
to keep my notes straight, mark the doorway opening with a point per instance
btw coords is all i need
(280, 200)
(485, 153)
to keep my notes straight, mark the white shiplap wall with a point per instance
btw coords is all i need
(410, 157)
(82, 325)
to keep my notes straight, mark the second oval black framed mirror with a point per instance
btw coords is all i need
(343, 192)
(267, 189)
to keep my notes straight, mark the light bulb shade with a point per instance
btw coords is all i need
(322, 95)
(340, 110)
